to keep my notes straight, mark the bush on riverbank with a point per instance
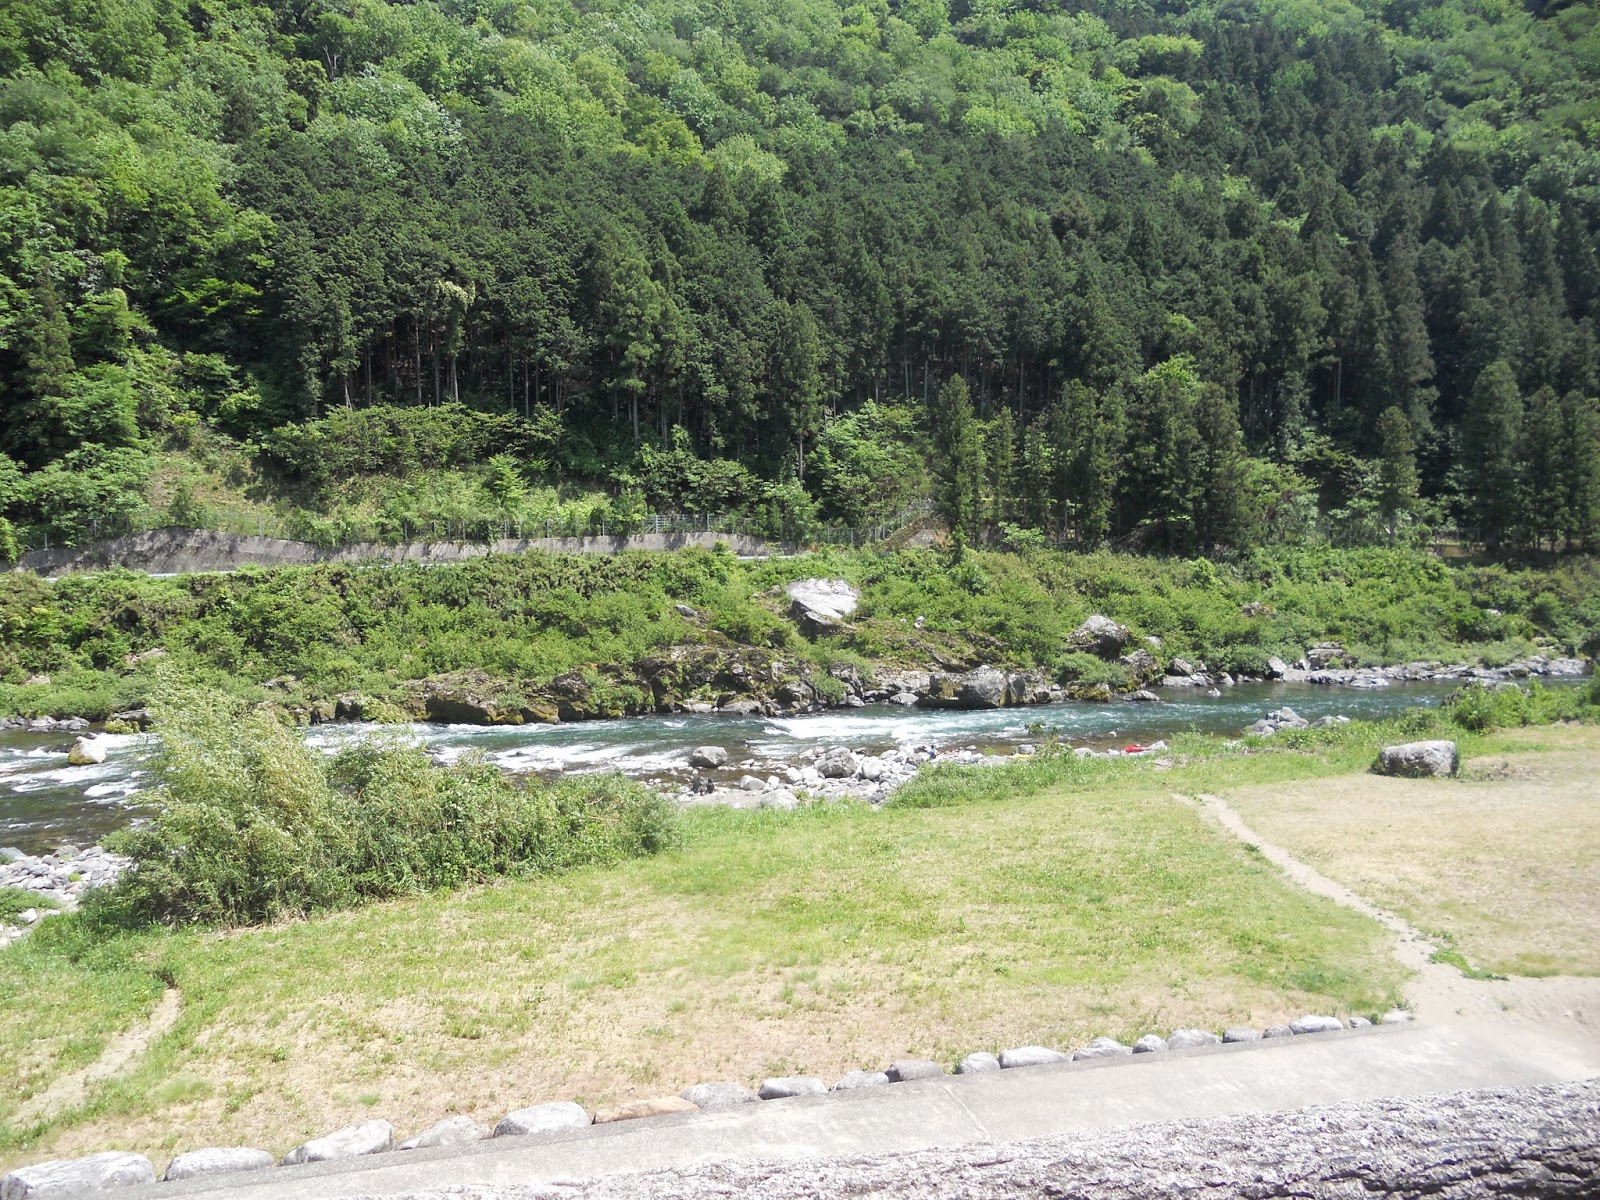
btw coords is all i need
(253, 824)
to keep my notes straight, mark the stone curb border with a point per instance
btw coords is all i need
(62, 1178)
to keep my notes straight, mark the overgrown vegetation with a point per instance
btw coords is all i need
(305, 635)
(1276, 271)
(250, 824)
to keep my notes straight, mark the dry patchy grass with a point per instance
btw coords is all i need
(771, 943)
(1504, 860)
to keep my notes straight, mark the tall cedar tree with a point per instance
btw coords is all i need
(1491, 481)
(957, 460)
(1397, 470)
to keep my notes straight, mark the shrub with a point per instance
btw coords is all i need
(252, 824)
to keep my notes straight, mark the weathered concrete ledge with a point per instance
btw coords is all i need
(981, 1108)
(178, 551)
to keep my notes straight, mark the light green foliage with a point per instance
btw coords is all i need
(252, 824)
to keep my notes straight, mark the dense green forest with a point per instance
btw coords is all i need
(1162, 275)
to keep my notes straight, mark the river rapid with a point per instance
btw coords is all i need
(45, 802)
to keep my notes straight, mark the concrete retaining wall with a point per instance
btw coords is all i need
(177, 551)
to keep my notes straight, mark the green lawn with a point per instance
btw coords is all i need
(1049, 902)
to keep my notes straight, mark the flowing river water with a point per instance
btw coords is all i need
(45, 802)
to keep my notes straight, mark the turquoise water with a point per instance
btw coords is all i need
(44, 802)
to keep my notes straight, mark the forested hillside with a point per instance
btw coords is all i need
(1172, 276)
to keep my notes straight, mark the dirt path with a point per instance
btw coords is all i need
(72, 1090)
(1565, 1005)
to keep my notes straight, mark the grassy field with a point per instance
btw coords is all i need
(1048, 902)
(1505, 861)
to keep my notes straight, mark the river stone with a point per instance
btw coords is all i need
(1359, 1023)
(749, 783)
(904, 1070)
(217, 1160)
(1099, 635)
(452, 1131)
(872, 769)
(72, 1176)
(1030, 1056)
(1277, 1031)
(780, 798)
(707, 756)
(369, 1137)
(904, 699)
(860, 1079)
(1240, 1033)
(985, 687)
(1150, 1043)
(711, 1096)
(1183, 1039)
(542, 1118)
(1276, 668)
(976, 1064)
(838, 763)
(792, 1085)
(1419, 760)
(821, 605)
(1101, 1047)
(86, 752)
(660, 1106)
(1315, 1024)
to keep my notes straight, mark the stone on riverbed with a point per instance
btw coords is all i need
(707, 756)
(369, 1137)
(74, 1176)
(1419, 760)
(217, 1160)
(1099, 635)
(86, 752)
(838, 763)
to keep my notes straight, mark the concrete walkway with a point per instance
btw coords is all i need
(1271, 1076)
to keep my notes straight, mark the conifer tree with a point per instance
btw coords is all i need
(958, 460)
(1397, 469)
(1579, 469)
(1490, 435)
(1541, 450)
(1002, 447)
(1086, 460)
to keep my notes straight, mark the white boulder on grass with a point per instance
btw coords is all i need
(74, 1176)
(368, 1137)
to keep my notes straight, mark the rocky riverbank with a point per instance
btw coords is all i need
(58, 879)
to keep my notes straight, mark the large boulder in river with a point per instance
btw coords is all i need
(1419, 760)
(1100, 636)
(984, 688)
(707, 756)
(86, 752)
(821, 605)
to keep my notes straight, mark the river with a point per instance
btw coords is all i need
(44, 802)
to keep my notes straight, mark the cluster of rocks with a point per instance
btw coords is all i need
(59, 879)
(830, 773)
(1324, 664)
(113, 1169)
(1287, 718)
(42, 724)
